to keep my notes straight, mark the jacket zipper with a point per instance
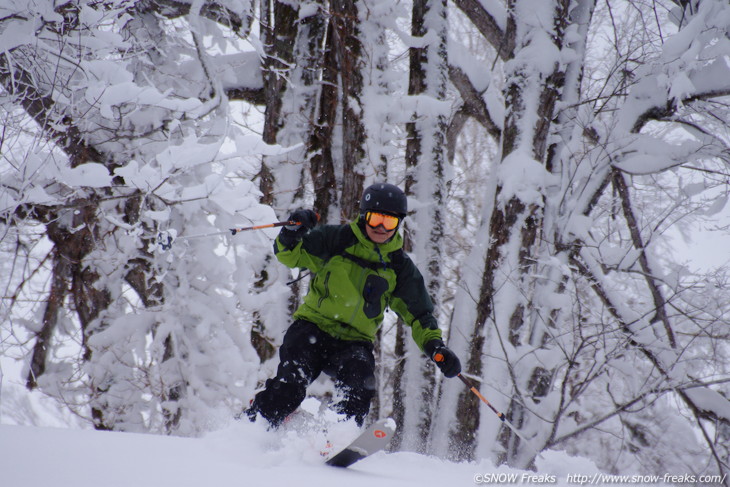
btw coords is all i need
(326, 289)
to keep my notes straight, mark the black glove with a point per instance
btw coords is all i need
(307, 218)
(291, 234)
(445, 359)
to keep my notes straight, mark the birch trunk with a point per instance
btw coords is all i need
(416, 385)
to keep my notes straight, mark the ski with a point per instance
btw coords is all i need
(375, 438)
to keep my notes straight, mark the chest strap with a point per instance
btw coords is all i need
(396, 259)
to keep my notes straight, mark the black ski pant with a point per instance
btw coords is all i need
(305, 353)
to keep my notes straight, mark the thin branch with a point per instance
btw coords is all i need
(667, 111)
(619, 182)
(601, 419)
(586, 270)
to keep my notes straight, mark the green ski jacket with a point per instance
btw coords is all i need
(355, 280)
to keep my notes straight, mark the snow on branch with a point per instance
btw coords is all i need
(649, 155)
(239, 21)
(18, 81)
(489, 24)
(474, 103)
(692, 67)
(703, 402)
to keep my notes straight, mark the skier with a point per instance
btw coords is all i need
(359, 269)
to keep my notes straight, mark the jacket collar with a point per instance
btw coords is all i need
(395, 243)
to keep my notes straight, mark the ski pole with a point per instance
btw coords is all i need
(165, 239)
(440, 358)
(259, 227)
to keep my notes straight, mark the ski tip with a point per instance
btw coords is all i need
(383, 429)
(373, 439)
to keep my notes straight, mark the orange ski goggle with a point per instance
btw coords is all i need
(389, 222)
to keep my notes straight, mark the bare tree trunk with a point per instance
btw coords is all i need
(74, 236)
(279, 36)
(348, 49)
(514, 229)
(319, 147)
(415, 390)
(60, 276)
(525, 327)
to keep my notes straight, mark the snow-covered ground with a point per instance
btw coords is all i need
(41, 446)
(44, 446)
(241, 454)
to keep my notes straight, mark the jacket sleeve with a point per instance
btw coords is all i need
(310, 252)
(413, 304)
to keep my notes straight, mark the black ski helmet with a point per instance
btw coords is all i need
(384, 197)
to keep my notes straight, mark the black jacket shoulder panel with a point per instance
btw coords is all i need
(326, 241)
